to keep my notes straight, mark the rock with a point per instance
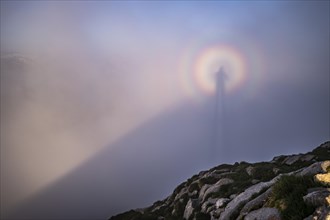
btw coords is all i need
(250, 170)
(181, 193)
(245, 196)
(223, 170)
(323, 179)
(291, 159)
(264, 214)
(276, 170)
(325, 165)
(191, 205)
(221, 202)
(232, 196)
(216, 187)
(207, 204)
(326, 145)
(321, 213)
(307, 157)
(202, 191)
(193, 194)
(317, 198)
(210, 209)
(255, 203)
(277, 158)
(216, 213)
(313, 169)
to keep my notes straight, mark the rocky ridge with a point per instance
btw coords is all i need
(288, 187)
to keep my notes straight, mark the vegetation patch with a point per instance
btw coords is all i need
(321, 153)
(207, 180)
(287, 197)
(264, 171)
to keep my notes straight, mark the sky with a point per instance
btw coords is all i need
(109, 105)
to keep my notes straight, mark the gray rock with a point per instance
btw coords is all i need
(250, 170)
(326, 145)
(216, 187)
(223, 170)
(242, 198)
(255, 203)
(317, 198)
(291, 159)
(277, 158)
(202, 191)
(321, 213)
(221, 202)
(207, 204)
(264, 214)
(276, 170)
(191, 205)
(183, 191)
(210, 209)
(232, 196)
(310, 170)
(193, 194)
(216, 213)
(307, 157)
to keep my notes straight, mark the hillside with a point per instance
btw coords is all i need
(287, 187)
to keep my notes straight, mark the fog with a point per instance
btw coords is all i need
(108, 106)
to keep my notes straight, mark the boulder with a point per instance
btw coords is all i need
(321, 213)
(276, 170)
(202, 191)
(277, 158)
(325, 165)
(264, 214)
(183, 191)
(313, 169)
(250, 170)
(255, 203)
(323, 179)
(191, 205)
(291, 159)
(307, 157)
(193, 194)
(207, 204)
(221, 202)
(244, 197)
(232, 196)
(317, 198)
(216, 187)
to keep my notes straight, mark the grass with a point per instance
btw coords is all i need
(287, 197)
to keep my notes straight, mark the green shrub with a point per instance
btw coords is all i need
(194, 186)
(287, 197)
(202, 216)
(264, 171)
(321, 153)
(207, 180)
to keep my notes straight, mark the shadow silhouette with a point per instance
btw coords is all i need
(148, 163)
(143, 166)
